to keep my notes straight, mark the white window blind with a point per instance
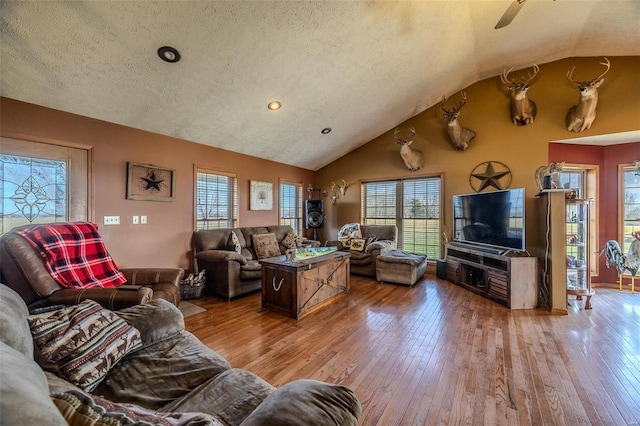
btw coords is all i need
(216, 200)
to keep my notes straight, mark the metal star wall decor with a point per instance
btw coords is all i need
(490, 173)
(152, 182)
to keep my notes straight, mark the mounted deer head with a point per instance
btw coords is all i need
(523, 109)
(460, 136)
(581, 116)
(413, 159)
(343, 187)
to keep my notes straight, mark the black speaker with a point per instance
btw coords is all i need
(314, 214)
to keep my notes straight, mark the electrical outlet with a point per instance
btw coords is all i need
(136, 220)
(143, 220)
(112, 220)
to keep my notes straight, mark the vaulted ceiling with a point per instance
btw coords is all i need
(357, 67)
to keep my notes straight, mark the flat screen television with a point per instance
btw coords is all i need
(493, 219)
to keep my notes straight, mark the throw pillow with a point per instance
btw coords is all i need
(266, 245)
(292, 241)
(233, 243)
(74, 254)
(370, 240)
(83, 340)
(357, 244)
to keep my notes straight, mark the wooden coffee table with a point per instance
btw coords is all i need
(298, 287)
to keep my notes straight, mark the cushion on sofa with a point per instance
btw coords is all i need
(266, 245)
(154, 376)
(14, 329)
(292, 241)
(231, 395)
(233, 243)
(83, 340)
(156, 321)
(79, 408)
(24, 393)
(307, 402)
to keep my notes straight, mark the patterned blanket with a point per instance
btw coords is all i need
(74, 254)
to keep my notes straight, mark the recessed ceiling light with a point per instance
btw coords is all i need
(326, 130)
(169, 54)
(274, 105)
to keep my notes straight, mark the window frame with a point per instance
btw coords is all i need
(232, 220)
(298, 218)
(624, 237)
(399, 219)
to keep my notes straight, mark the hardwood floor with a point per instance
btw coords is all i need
(437, 353)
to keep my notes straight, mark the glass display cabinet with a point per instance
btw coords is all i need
(577, 250)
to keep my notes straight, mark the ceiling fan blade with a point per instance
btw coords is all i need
(510, 13)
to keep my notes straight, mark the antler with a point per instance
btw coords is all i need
(607, 64)
(504, 77)
(536, 70)
(395, 134)
(456, 108)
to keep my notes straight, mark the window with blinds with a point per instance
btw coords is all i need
(216, 200)
(291, 206)
(413, 205)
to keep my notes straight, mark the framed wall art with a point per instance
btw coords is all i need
(261, 195)
(150, 183)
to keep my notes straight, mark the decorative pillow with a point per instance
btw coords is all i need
(370, 240)
(292, 241)
(266, 245)
(83, 340)
(233, 243)
(74, 254)
(79, 408)
(357, 244)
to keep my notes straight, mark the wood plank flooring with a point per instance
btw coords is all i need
(439, 354)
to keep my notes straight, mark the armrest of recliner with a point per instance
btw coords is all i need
(220, 256)
(382, 245)
(112, 298)
(145, 276)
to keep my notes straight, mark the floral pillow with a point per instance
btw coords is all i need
(84, 341)
(266, 245)
(292, 241)
(233, 243)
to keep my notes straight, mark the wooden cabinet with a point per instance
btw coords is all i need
(296, 288)
(509, 279)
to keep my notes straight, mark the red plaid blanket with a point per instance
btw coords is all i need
(74, 254)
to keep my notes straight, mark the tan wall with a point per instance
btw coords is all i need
(165, 240)
(522, 149)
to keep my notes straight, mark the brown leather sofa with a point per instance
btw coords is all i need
(364, 262)
(231, 274)
(23, 269)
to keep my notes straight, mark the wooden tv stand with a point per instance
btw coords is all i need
(507, 278)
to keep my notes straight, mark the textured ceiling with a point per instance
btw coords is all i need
(359, 67)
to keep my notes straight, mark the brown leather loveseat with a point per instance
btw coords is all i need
(233, 271)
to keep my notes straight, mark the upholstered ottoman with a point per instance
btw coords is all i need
(400, 267)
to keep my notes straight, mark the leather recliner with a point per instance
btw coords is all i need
(23, 269)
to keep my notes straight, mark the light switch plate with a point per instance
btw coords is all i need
(112, 220)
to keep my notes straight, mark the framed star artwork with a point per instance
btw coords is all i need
(492, 174)
(150, 183)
